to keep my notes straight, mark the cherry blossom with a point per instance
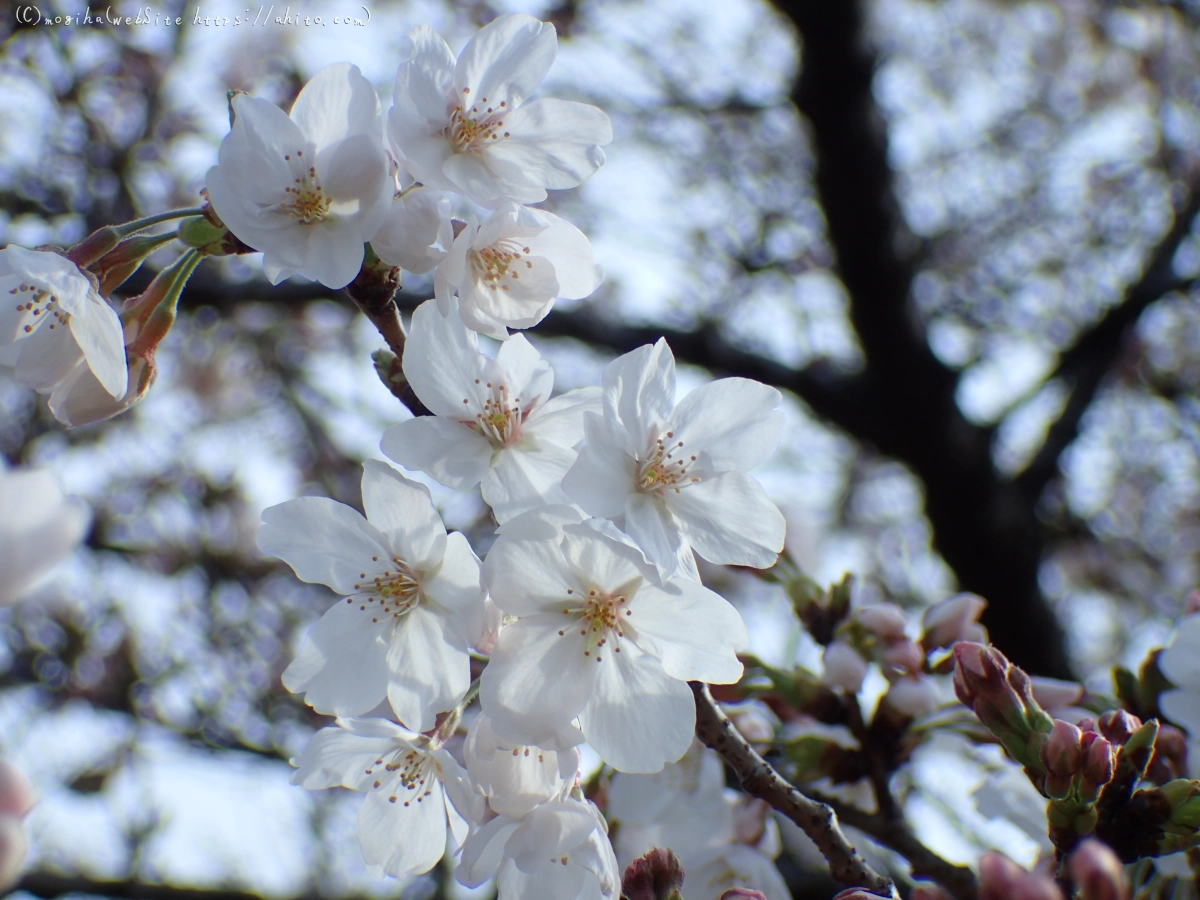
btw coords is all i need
(508, 271)
(38, 528)
(598, 637)
(675, 474)
(1180, 662)
(55, 319)
(414, 600)
(463, 125)
(416, 233)
(511, 777)
(403, 822)
(311, 189)
(494, 419)
(558, 850)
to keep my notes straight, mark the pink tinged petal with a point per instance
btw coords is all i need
(729, 520)
(38, 528)
(455, 590)
(560, 419)
(537, 679)
(100, 336)
(526, 476)
(443, 364)
(554, 143)
(402, 840)
(527, 572)
(1180, 662)
(446, 450)
(504, 63)
(337, 102)
(1183, 708)
(602, 477)
(654, 529)
(334, 757)
(550, 831)
(639, 392)
(570, 253)
(733, 423)
(425, 82)
(483, 851)
(324, 541)
(80, 399)
(638, 718)
(17, 796)
(695, 633)
(527, 375)
(342, 665)
(428, 668)
(47, 358)
(403, 512)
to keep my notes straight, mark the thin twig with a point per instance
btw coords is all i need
(759, 779)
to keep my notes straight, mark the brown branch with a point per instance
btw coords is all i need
(760, 780)
(49, 885)
(896, 835)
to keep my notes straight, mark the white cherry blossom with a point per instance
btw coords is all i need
(311, 189)
(493, 420)
(52, 319)
(598, 637)
(1180, 662)
(463, 125)
(416, 232)
(558, 850)
(511, 777)
(414, 600)
(508, 271)
(675, 474)
(403, 822)
(38, 528)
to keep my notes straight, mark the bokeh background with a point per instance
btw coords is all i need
(959, 234)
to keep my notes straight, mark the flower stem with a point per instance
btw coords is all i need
(142, 224)
(156, 307)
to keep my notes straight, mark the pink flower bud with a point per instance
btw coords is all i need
(1192, 603)
(844, 667)
(1118, 726)
(753, 719)
(886, 621)
(656, 876)
(904, 656)
(1097, 872)
(1062, 755)
(17, 796)
(747, 894)
(750, 819)
(927, 890)
(1002, 879)
(913, 696)
(954, 619)
(1097, 765)
(1052, 693)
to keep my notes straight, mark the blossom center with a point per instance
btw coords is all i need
(601, 618)
(39, 302)
(471, 130)
(417, 773)
(665, 467)
(501, 418)
(492, 264)
(308, 201)
(393, 592)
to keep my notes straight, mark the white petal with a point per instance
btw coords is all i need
(38, 527)
(527, 575)
(526, 476)
(403, 512)
(443, 364)
(336, 103)
(560, 419)
(639, 393)
(428, 668)
(602, 477)
(1180, 661)
(733, 423)
(527, 375)
(403, 840)
(537, 680)
(342, 665)
(416, 232)
(638, 718)
(80, 399)
(504, 63)
(322, 540)
(695, 633)
(549, 832)
(425, 82)
(100, 336)
(730, 520)
(335, 757)
(609, 564)
(1183, 708)
(456, 588)
(483, 851)
(520, 298)
(47, 358)
(334, 254)
(571, 254)
(654, 529)
(553, 143)
(454, 454)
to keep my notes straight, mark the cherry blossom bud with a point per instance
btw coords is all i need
(904, 656)
(750, 819)
(1062, 755)
(913, 696)
(1053, 693)
(844, 667)
(747, 894)
(1170, 755)
(1097, 872)
(886, 621)
(1118, 726)
(1001, 695)
(656, 876)
(1002, 879)
(753, 719)
(1097, 765)
(954, 619)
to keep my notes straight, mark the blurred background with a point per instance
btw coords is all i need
(960, 235)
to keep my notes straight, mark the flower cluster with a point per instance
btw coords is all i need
(587, 618)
